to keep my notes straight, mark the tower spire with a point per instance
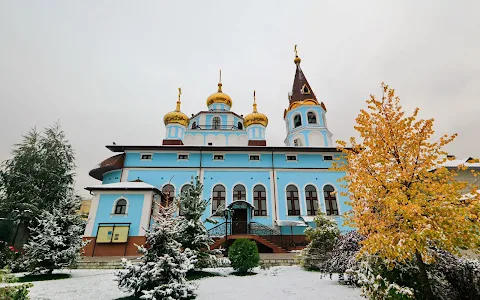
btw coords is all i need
(301, 89)
(254, 102)
(220, 82)
(178, 101)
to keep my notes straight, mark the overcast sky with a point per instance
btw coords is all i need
(109, 70)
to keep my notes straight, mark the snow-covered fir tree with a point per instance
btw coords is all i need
(55, 237)
(194, 235)
(161, 271)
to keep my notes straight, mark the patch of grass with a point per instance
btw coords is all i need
(32, 278)
(194, 275)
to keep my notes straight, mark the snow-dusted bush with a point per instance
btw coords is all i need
(161, 272)
(344, 254)
(15, 292)
(243, 255)
(322, 239)
(56, 238)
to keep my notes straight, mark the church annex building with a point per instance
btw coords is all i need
(273, 192)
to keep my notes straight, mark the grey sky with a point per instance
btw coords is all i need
(109, 70)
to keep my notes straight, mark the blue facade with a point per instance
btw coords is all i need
(105, 211)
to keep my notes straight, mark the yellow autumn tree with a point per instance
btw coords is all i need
(402, 202)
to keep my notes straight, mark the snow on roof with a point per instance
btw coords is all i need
(454, 163)
(132, 185)
(292, 223)
(308, 218)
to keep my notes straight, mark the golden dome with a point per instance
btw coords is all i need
(219, 97)
(255, 117)
(176, 116)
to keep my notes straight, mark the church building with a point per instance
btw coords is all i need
(273, 192)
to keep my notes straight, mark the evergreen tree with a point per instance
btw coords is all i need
(161, 272)
(194, 234)
(56, 238)
(37, 177)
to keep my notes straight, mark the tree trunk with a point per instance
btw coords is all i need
(427, 289)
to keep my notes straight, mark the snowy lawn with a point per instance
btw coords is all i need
(279, 283)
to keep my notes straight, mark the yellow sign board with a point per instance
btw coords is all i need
(120, 234)
(104, 234)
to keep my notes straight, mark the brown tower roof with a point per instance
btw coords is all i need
(301, 89)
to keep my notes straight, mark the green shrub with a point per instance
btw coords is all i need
(243, 255)
(15, 292)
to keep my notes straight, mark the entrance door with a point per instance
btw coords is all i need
(239, 221)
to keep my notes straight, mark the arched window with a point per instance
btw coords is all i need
(297, 121)
(331, 206)
(194, 125)
(121, 207)
(293, 205)
(183, 191)
(216, 123)
(240, 125)
(218, 198)
(312, 117)
(168, 192)
(259, 201)
(312, 200)
(239, 193)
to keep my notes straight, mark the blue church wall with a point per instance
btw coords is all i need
(249, 179)
(159, 178)
(112, 176)
(301, 179)
(133, 216)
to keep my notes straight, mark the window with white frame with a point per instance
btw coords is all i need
(218, 157)
(291, 157)
(239, 193)
(218, 198)
(293, 204)
(259, 200)
(254, 157)
(312, 117)
(168, 192)
(331, 205)
(146, 156)
(311, 198)
(120, 207)
(297, 121)
(182, 156)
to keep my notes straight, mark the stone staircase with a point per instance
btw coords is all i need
(275, 248)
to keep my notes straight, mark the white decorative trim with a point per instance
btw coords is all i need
(305, 196)
(92, 214)
(274, 196)
(146, 210)
(299, 197)
(211, 195)
(124, 176)
(244, 186)
(336, 199)
(266, 200)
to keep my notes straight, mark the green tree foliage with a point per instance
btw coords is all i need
(243, 255)
(37, 177)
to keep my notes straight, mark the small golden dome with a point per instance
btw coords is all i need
(297, 60)
(219, 97)
(176, 116)
(255, 117)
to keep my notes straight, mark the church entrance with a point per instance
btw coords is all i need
(239, 221)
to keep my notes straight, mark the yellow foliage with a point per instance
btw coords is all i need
(401, 201)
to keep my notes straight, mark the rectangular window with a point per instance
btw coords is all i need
(183, 156)
(291, 157)
(145, 156)
(254, 157)
(327, 157)
(218, 157)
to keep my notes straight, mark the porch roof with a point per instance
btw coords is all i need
(240, 202)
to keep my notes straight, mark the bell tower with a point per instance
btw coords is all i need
(305, 117)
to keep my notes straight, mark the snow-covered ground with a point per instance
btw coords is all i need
(278, 283)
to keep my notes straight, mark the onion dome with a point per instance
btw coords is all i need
(176, 116)
(255, 117)
(219, 96)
